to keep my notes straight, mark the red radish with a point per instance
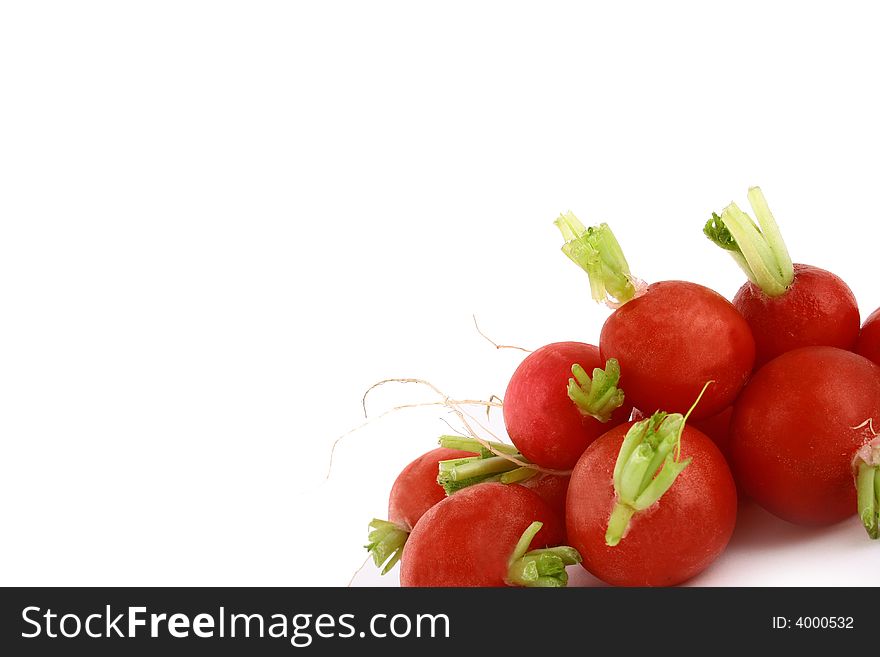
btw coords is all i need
(487, 535)
(651, 503)
(669, 338)
(414, 491)
(800, 429)
(551, 488)
(869, 339)
(717, 428)
(787, 305)
(553, 409)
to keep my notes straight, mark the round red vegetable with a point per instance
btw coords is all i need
(497, 465)
(553, 409)
(551, 487)
(641, 516)
(414, 491)
(799, 435)
(868, 344)
(787, 305)
(673, 339)
(670, 339)
(489, 534)
(717, 428)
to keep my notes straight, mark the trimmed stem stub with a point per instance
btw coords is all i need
(867, 472)
(517, 475)
(542, 567)
(455, 474)
(597, 252)
(475, 446)
(598, 396)
(758, 249)
(648, 463)
(386, 543)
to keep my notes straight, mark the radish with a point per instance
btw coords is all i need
(414, 491)
(668, 338)
(650, 503)
(802, 434)
(868, 344)
(553, 409)
(488, 535)
(787, 305)
(717, 428)
(552, 488)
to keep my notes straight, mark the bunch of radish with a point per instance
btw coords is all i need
(627, 457)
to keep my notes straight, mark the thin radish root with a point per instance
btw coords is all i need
(445, 402)
(493, 398)
(454, 405)
(370, 420)
(467, 420)
(367, 422)
(356, 573)
(457, 432)
(867, 423)
(495, 344)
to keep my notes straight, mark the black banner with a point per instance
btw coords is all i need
(278, 621)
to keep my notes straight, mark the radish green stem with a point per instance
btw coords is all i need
(637, 483)
(758, 249)
(386, 543)
(634, 471)
(451, 486)
(661, 453)
(451, 480)
(598, 397)
(455, 474)
(471, 445)
(633, 437)
(542, 567)
(522, 545)
(867, 469)
(687, 415)
(517, 475)
(618, 523)
(652, 493)
(868, 487)
(876, 504)
(478, 467)
(597, 252)
(451, 464)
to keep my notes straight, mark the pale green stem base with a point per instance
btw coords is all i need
(647, 466)
(386, 543)
(758, 249)
(618, 523)
(868, 492)
(543, 567)
(597, 252)
(455, 474)
(598, 396)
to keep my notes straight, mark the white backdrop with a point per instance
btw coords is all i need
(221, 222)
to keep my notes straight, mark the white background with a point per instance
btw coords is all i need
(221, 222)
